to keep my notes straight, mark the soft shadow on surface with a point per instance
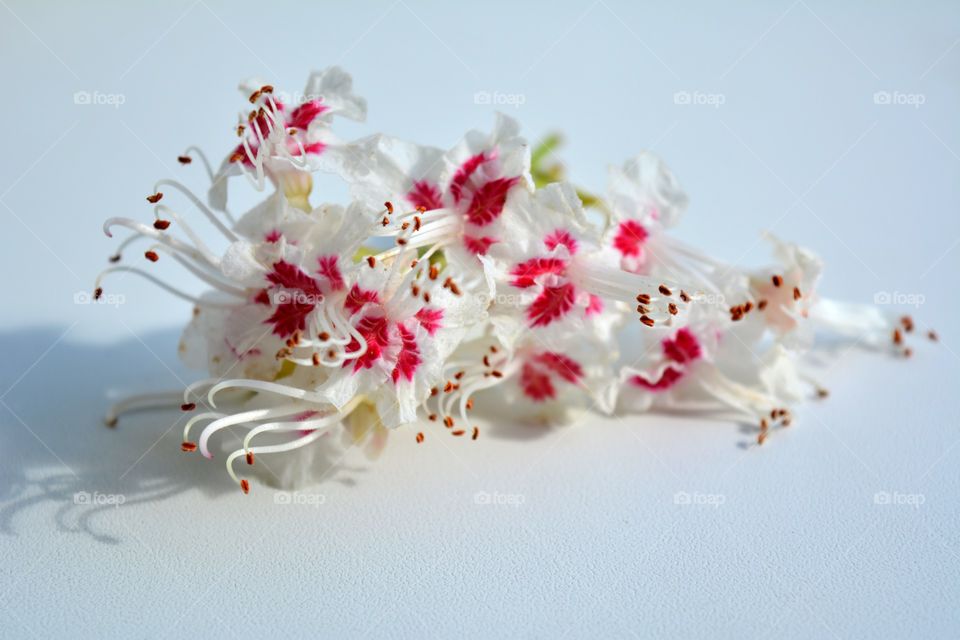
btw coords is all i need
(59, 455)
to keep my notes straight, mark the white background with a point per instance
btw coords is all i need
(592, 540)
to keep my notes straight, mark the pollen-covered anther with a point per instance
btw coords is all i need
(434, 391)
(496, 373)
(419, 437)
(684, 296)
(184, 159)
(897, 337)
(458, 432)
(761, 305)
(796, 293)
(188, 406)
(665, 290)
(822, 393)
(432, 417)
(401, 241)
(672, 308)
(151, 256)
(188, 447)
(371, 261)
(414, 290)
(908, 352)
(417, 222)
(476, 433)
(245, 486)
(647, 320)
(447, 388)
(777, 280)
(161, 225)
(315, 359)
(643, 298)
(448, 422)
(426, 297)
(250, 457)
(932, 336)
(385, 221)
(469, 404)
(155, 198)
(97, 293)
(323, 336)
(389, 207)
(255, 96)
(907, 323)
(434, 272)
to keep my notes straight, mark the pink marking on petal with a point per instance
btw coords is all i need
(526, 273)
(273, 236)
(330, 269)
(478, 246)
(488, 201)
(374, 330)
(630, 238)
(290, 315)
(409, 357)
(425, 194)
(562, 365)
(668, 378)
(314, 148)
(358, 297)
(536, 384)
(552, 304)
(430, 319)
(561, 237)
(463, 174)
(595, 306)
(306, 113)
(683, 347)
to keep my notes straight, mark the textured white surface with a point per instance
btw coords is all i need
(401, 547)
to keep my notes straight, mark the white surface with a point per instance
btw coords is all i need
(400, 546)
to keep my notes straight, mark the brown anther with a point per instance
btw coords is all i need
(932, 335)
(647, 320)
(434, 391)
(250, 457)
(419, 437)
(777, 280)
(385, 221)
(747, 306)
(401, 241)
(907, 323)
(371, 261)
(493, 348)
(447, 388)
(458, 432)
(908, 352)
(114, 258)
(773, 414)
(240, 130)
(416, 223)
(110, 422)
(188, 447)
(762, 305)
(448, 422)
(447, 282)
(476, 433)
(426, 297)
(897, 337)
(684, 296)
(315, 358)
(413, 265)
(458, 375)
(822, 393)
(267, 88)
(188, 406)
(469, 404)
(422, 209)
(785, 422)
(155, 198)
(496, 373)
(486, 360)
(664, 290)
(184, 159)
(151, 256)
(643, 298)
(454, 289)
(405, 226)
(763, 424)
(434, 272)
(245, 486)
(97, 293)
(161, 225)
(236, 157)
(415, 290)
(796, 293)
(672, 308)
(255, 96)
(762, 437)
(323, 336)
(389, 206)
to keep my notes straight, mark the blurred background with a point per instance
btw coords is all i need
(832, 125)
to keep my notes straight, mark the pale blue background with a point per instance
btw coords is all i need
(400, 547)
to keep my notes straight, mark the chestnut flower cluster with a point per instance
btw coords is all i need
(454, 275)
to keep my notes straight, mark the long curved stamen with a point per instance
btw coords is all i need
(163, 285)
(275, 448)
(139, 402)
(149, 232)
(230, 235)
(211, 280)
(240, 418)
